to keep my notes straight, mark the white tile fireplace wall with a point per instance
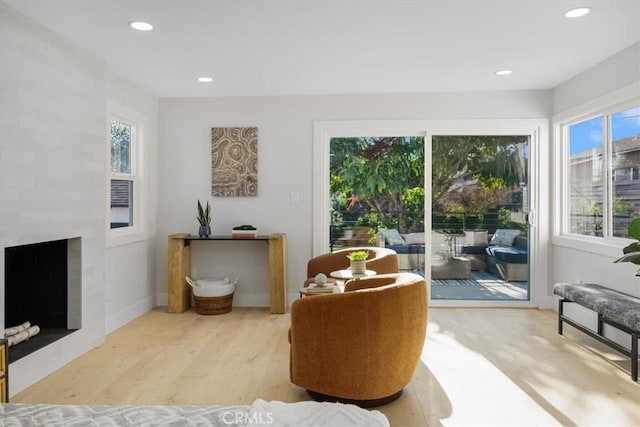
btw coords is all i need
(52, 171)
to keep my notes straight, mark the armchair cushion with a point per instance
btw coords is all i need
(475, 249)
(510, 254)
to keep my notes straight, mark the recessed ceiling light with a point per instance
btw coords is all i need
(503, 72)
(577, 12)
(141, 26)
(205, 79)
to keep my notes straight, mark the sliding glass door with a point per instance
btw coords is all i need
(479, 218)
(457, 205)
(377, 196)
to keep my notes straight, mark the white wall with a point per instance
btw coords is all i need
(53, 158)
(130, 268)
(614, 73)
(616, 78)
(52, 166)
(285, 132)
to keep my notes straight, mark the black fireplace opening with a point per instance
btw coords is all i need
(36, 291)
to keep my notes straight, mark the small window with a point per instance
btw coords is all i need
(625, 158)
(585, 177)
(122, 175)
(604, 165)
(125, 198)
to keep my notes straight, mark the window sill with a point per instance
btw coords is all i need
(120, 237)
(597, 245)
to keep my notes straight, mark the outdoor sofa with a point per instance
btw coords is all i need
(505, 256)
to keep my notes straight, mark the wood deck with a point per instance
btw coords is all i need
(481, 286)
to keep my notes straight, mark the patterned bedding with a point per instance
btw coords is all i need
(260, 413)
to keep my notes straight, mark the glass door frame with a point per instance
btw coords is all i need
(539, 181)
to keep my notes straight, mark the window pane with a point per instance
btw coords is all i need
(120, 147)
(586, 177)
(625, 164)
(121, 203)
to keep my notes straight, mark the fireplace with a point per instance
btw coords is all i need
(42, 288)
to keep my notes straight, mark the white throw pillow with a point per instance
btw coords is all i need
(392, 236)
(503, 237)
(476, 237)
(414, 238)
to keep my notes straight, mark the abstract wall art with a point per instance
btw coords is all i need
(234, 162)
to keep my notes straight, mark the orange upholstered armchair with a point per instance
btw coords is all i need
(370, 349)
(380, 260)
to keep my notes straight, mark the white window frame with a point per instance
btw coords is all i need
(537, 129)
(620, 100)
(137, 231)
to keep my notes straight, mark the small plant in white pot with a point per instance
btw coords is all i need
(632, 251)
(204, 218)
(358, 261)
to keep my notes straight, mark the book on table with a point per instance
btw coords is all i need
(245, 235)
(320, 289)
(244, 232)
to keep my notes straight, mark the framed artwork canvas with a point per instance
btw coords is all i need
(234, 161)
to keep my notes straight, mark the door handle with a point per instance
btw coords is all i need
(529, 218)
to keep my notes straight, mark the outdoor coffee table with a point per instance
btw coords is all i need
(455, 268)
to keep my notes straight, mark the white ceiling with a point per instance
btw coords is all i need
(290, 47)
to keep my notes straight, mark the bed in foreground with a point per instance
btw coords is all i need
(259, 413)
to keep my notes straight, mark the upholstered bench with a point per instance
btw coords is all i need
(614, 308)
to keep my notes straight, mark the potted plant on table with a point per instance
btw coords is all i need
(204, 218)
(632, 252)
(358, 261)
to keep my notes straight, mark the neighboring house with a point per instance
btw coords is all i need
(587, 186)
(120, 203)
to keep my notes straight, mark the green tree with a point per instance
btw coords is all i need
(120, 147)
(380, 173)
(386, 175)
(494, 162)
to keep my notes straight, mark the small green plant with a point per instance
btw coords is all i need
(632, 251)
(204, 214)
(358, 255)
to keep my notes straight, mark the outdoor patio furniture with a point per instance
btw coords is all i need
(507, 259)
(409, 247)
(359, 236)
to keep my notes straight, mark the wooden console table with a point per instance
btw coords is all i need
(179, 264)
(4, 371)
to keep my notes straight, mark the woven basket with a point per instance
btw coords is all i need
(213, 305)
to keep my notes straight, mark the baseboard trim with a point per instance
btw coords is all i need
(126, 315)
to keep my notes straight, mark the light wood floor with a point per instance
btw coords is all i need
(480, 367)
